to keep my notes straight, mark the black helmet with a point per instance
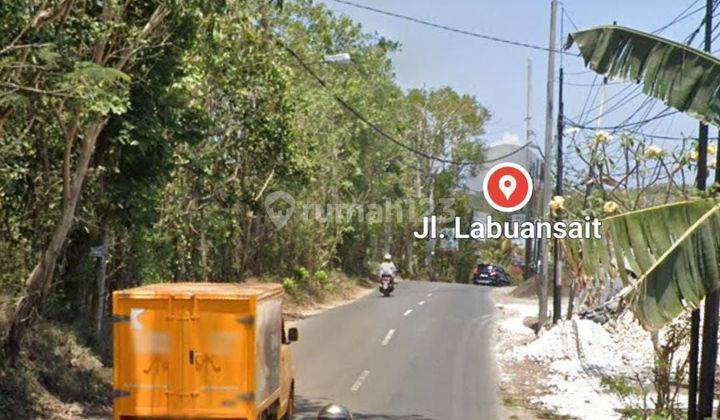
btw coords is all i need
(334, 412)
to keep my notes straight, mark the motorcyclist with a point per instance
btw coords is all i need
(387, 268)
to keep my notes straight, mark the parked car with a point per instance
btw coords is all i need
(490, 275)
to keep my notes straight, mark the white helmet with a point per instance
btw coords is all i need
(387, 257)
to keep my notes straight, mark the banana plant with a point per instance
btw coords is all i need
(683, 77)
(668, 257)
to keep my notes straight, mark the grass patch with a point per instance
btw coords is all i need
(54, 377)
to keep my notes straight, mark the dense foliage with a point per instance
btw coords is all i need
(159, 132)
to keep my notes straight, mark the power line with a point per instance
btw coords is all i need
(572, 22)
(379, 130)
(692, 36)
(587, 99)
(661, 137)
(629, 96)
(578, 73)
(660, 115)
(714, 29)
(449, 28)
(634, 91)
(592, 84)
(682, 16)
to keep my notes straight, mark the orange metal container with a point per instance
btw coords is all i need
(200, 350)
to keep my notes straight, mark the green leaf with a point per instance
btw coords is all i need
(683, 77)
(673, 250)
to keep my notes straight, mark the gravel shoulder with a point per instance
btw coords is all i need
(563, 373)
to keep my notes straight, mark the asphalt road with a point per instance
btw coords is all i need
(424, 353)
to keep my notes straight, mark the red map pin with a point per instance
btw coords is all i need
(507, 187)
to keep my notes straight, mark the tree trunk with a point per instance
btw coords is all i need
(693, 361)
(571, 300)
(708, 358)
(203, 249)
(30, 302)
(100, 278)
(409, 254)
(430, 251)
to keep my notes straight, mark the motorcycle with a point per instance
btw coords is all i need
(387, 284)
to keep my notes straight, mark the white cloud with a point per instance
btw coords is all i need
(508, 138)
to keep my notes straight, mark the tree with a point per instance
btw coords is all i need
(81, 81)
(445, 124)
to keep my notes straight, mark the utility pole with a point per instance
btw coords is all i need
(543, 272)
(430, 255)
(710, 326)
(528, 137)
(557, 251)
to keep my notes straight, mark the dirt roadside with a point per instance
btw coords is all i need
(518, 381)
(576, 369)
(346, 292)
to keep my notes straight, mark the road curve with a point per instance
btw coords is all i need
(424, 353)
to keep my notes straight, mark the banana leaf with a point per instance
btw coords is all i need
(668, 257)
(683, 77)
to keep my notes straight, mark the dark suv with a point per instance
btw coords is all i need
(491, 275)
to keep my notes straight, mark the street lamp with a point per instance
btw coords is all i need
(342, 58)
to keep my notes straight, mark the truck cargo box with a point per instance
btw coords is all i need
(197, 350)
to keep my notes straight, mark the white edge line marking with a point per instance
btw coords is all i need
(358, 383)
(388, 337)
(407, 312)
(421, 303)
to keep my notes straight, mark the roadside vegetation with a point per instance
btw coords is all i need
(140, 144)
(649, 388)
(656, 261)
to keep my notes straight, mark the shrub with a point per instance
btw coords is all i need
(322, 277)
(324, 280)
(302, 274)
(290, 286)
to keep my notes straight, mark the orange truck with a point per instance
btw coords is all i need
(202, 351)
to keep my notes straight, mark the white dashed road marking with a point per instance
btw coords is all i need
(358, 383)
(429, 294)
(388, 337)
(407, 312)
(421, 303)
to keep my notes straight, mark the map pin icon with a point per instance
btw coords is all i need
(279, 217)
(507, 185)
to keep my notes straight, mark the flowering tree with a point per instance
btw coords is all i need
(614, 173)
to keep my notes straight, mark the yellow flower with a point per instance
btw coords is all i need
(712, 149)
(557, 204)
(693, 156)
(602, 137)
(654, 152)
(610, 207)
(627, 141)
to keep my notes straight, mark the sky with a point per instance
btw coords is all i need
(496, 73)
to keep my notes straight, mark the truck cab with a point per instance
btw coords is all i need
(202, 351)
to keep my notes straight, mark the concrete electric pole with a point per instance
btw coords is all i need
(543, 272)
